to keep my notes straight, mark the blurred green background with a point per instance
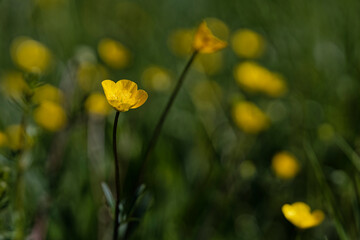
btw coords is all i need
(212, 173)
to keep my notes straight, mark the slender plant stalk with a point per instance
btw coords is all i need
(117, 179)
(156, 134)
(164, 114)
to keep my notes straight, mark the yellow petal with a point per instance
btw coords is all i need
(142, 96)
(205, 41)
(300, 215)
(109, 89)
(126, 86)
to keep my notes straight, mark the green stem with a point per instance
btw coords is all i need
(117, 179)
(164, 114)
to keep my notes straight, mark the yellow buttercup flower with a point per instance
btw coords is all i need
(255, 78)
(47, 92)
(113, 53)
(247, 43)
(30, 55)
(124, 94)
(300, 215)
(285, 165)
(205, 41)
(249, 117)
(49, 115)
(96, 104)
(14, 85)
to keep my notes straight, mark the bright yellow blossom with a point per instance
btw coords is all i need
(14, 85)
(47, 92)
(156, 78)
(255, 78)
(30, 55)
(247, 43)
(205, 41)
(285, 165)
(124, 94)
(300, 215)
(249, 117)
(113, 53)
(96, 104)
(49, 115)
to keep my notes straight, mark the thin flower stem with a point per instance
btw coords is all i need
(155, 136)
(164, 114)
(117, 179)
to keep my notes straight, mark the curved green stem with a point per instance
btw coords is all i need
(117, 179)
(164, 114)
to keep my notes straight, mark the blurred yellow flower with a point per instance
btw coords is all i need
(88, 75)
(124, 94)
(255, 78)
(3, 139)
(47, 92)
(113, 53)
(156, 78)
(30, 55)
(285, 165)
(249, 117)
(49, 115)
(96, 104)
(205, 41)
(14, 85)
(16, 137)
(180, 42)
(300, 215)
(247, 43)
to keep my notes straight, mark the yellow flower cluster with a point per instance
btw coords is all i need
(30, 55)
(285, 165)
(300, 215)
(124, 94)
(249, 117)
(247, 43)
(113, 53)
(49, 114)
(255, 78)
